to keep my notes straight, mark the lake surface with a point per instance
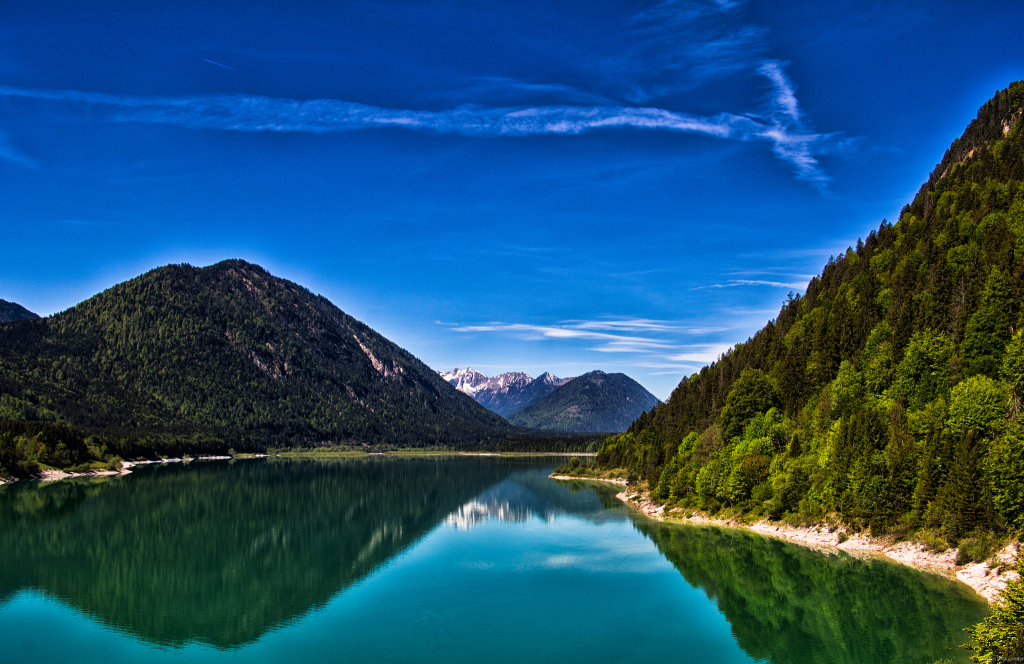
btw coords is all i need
(430, 559)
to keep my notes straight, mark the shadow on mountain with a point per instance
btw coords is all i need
(177, 554)
(790, 604)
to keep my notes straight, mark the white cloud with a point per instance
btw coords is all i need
(791, 141)
(736, 283)
(701, 354)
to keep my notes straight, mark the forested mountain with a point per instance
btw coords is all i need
(593, 402)
(12, 311)
(889, 393)
(227, 356)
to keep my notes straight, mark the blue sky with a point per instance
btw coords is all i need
(528, 186)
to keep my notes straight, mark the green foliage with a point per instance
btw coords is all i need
(1012, 371)
(923, 373)
(183, 359)
(1000, 637)
(979, 404)
(886, 376)
(988, 329)
(847, 390)
(977, 548)
(1006, 474)
(753, 393)
(24, 446)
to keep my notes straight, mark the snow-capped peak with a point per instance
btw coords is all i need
(465, 380)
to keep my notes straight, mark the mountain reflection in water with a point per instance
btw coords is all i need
(529, 494)
(220, 554)
(204, 553)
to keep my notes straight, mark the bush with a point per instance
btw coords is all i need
(1000, 637)
(932, 540)
(977, 548)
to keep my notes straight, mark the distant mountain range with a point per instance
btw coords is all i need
(506, 393)
(228, 356)
(594, 402)
(12, 311)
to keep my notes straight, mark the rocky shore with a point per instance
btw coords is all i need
(53, 475)
(984, 578)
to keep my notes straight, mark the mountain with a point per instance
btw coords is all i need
(12, 311)
(590, 403)
(466, 380)
(228, 355)
(889, 394)
(506, 393)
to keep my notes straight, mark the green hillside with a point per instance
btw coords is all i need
(202, 359)
(593, 402)
(888, 394)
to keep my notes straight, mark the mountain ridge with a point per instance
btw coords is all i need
(229, 353)
(591, 403)
(504, 394)
(12, 311)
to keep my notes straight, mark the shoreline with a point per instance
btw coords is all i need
(55, 474)
(608, 480)
(983, 579)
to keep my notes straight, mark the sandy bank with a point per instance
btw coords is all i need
(54, 475)
(613, 480)
(985, 579)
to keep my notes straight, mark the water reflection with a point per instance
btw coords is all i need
(790, 604)
(530, 494)
(220, 555)
(202, 553)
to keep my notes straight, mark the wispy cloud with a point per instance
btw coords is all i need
(791, 141)
(736, 283)
(791, 138)
(561, 331)
(659, 341)
(701, 354)
(775, 271)
(258, 114)
(219, 64)
(678, 45)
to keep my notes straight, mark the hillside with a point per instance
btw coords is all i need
(12, 311)
(227, 356)
(888, 394)
(593, 402)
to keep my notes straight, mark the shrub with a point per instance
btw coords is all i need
(976, 548)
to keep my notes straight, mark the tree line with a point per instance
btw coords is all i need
(886, 396)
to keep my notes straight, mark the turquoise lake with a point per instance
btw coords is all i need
(430, 559)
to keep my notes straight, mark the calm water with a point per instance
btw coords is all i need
(429, 559)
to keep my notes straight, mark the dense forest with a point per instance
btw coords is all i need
(199, 360)
(887, 396)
